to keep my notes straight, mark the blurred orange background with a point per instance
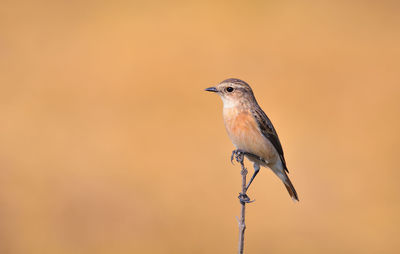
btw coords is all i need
(108, 143)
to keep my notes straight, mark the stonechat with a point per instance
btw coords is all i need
(251, 131)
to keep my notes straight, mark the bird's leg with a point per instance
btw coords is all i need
(256, 170)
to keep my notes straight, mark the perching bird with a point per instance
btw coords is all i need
(251, 131)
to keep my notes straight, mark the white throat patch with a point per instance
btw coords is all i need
(228, 102)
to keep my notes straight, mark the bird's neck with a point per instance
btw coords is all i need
(234, 109)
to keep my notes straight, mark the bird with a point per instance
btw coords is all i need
(251, 131)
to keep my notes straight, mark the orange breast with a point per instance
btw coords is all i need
(244, 132)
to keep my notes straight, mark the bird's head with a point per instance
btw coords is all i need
(233, 91)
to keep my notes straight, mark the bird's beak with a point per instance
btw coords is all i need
(211, 89)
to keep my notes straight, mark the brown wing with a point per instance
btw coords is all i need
(268, 130)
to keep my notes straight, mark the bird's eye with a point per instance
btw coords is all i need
(229, 89)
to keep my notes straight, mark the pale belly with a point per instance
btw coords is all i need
(244, 133)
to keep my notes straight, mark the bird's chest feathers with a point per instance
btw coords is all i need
(243, 130)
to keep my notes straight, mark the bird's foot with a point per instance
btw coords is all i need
(243, 198)
(238, 155)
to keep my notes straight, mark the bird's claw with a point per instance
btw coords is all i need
(238, 155)
(243, 198)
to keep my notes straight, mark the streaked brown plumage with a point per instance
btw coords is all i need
(251, 131)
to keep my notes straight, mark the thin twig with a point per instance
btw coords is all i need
(243, 198)
(242, 225)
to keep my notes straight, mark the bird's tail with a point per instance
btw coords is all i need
(290, 188)
(280, 172)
